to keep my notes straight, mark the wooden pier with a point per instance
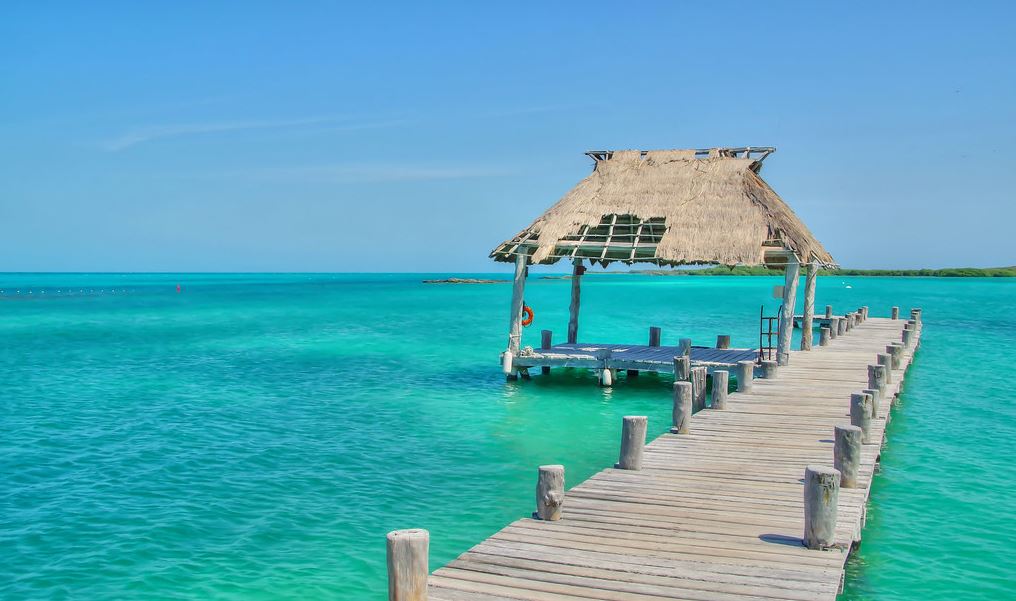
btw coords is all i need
(717, 513)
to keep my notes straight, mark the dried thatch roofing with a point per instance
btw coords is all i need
(671, 208)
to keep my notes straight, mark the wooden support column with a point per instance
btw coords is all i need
(682, 408)
(549, 492)
(745, 373)
(633, 440)
(407, 565)
(847, 454)
(698, 388)
(787, 315)
(721, 381)
(573, 308)
(518, 288)
(821, 493)
(807, 335)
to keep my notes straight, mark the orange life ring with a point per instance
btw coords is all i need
(528, 312)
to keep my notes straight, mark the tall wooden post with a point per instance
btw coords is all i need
(787, 316)
(549, 492)
(518, 287)
(633, 439)
(407, 565)
(573, 308)
(821, 492)
(807, 335)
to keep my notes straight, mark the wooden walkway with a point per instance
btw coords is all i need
(631, 356)
(716, 514)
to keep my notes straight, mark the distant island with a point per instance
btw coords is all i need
(952, 272)
(722, 270)
(465, 281)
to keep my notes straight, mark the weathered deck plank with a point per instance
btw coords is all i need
(714, 514)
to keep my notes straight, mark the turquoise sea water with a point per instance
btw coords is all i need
(255, 436)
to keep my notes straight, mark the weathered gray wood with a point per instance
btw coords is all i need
(876, 400)
(698, 388)
(823, 338)
(721, 381)
(860, 414)
(886, 361)
(807, 319)
(682, 408)
(895, 313)
(549, 492)
(915, 314)
(821, 495)
(633, 441)
(546, 342)
(518, 287)
(877, 377)
(769, 368)
(895, 351)
(786, 330)
(908, 338)
(408, 552)
(834, 328)
(865, 310)
(745, 374)
(723, 341)
(828, 311)
(847, 454)
(684, 346)
(682, 367)
(849, 320)
(841, 326)
(654, 336)
(573, 307)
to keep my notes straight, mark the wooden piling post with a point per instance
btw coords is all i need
(834, 328)
(823, 338)
(895, 313)
(876, 377)
(847, 454)
(408, 552)
(908, 338)
(573, 308)
(546, 342)
(684, 347)
(682, 367)
(848, 322)
(864, 309)
(876, 400)
(698, 388)
(828, 311)
(895, 351)
(549, 492)
(808, 317)
(841, 326)
(723, 341)
(721, 380)
(886, 361)
(682, 408)
(768, 369)
(654, 336)
(915, 314)
(633, 439)
(860, 414)
(821, 494)
(745, 374)
(786, 329)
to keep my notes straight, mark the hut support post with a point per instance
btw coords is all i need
(787, 314)
(573, 308)
(807, 336)
(515, 323)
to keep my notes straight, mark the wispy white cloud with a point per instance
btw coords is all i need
(151, 133)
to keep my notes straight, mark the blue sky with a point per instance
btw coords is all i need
(415, 137)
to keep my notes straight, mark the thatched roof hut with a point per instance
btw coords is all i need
(670, 207)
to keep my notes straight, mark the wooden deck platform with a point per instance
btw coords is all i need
(631, 356)
(716, 514)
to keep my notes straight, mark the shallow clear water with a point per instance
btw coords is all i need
(255, 436)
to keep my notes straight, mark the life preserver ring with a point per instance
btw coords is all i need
(528, 315)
